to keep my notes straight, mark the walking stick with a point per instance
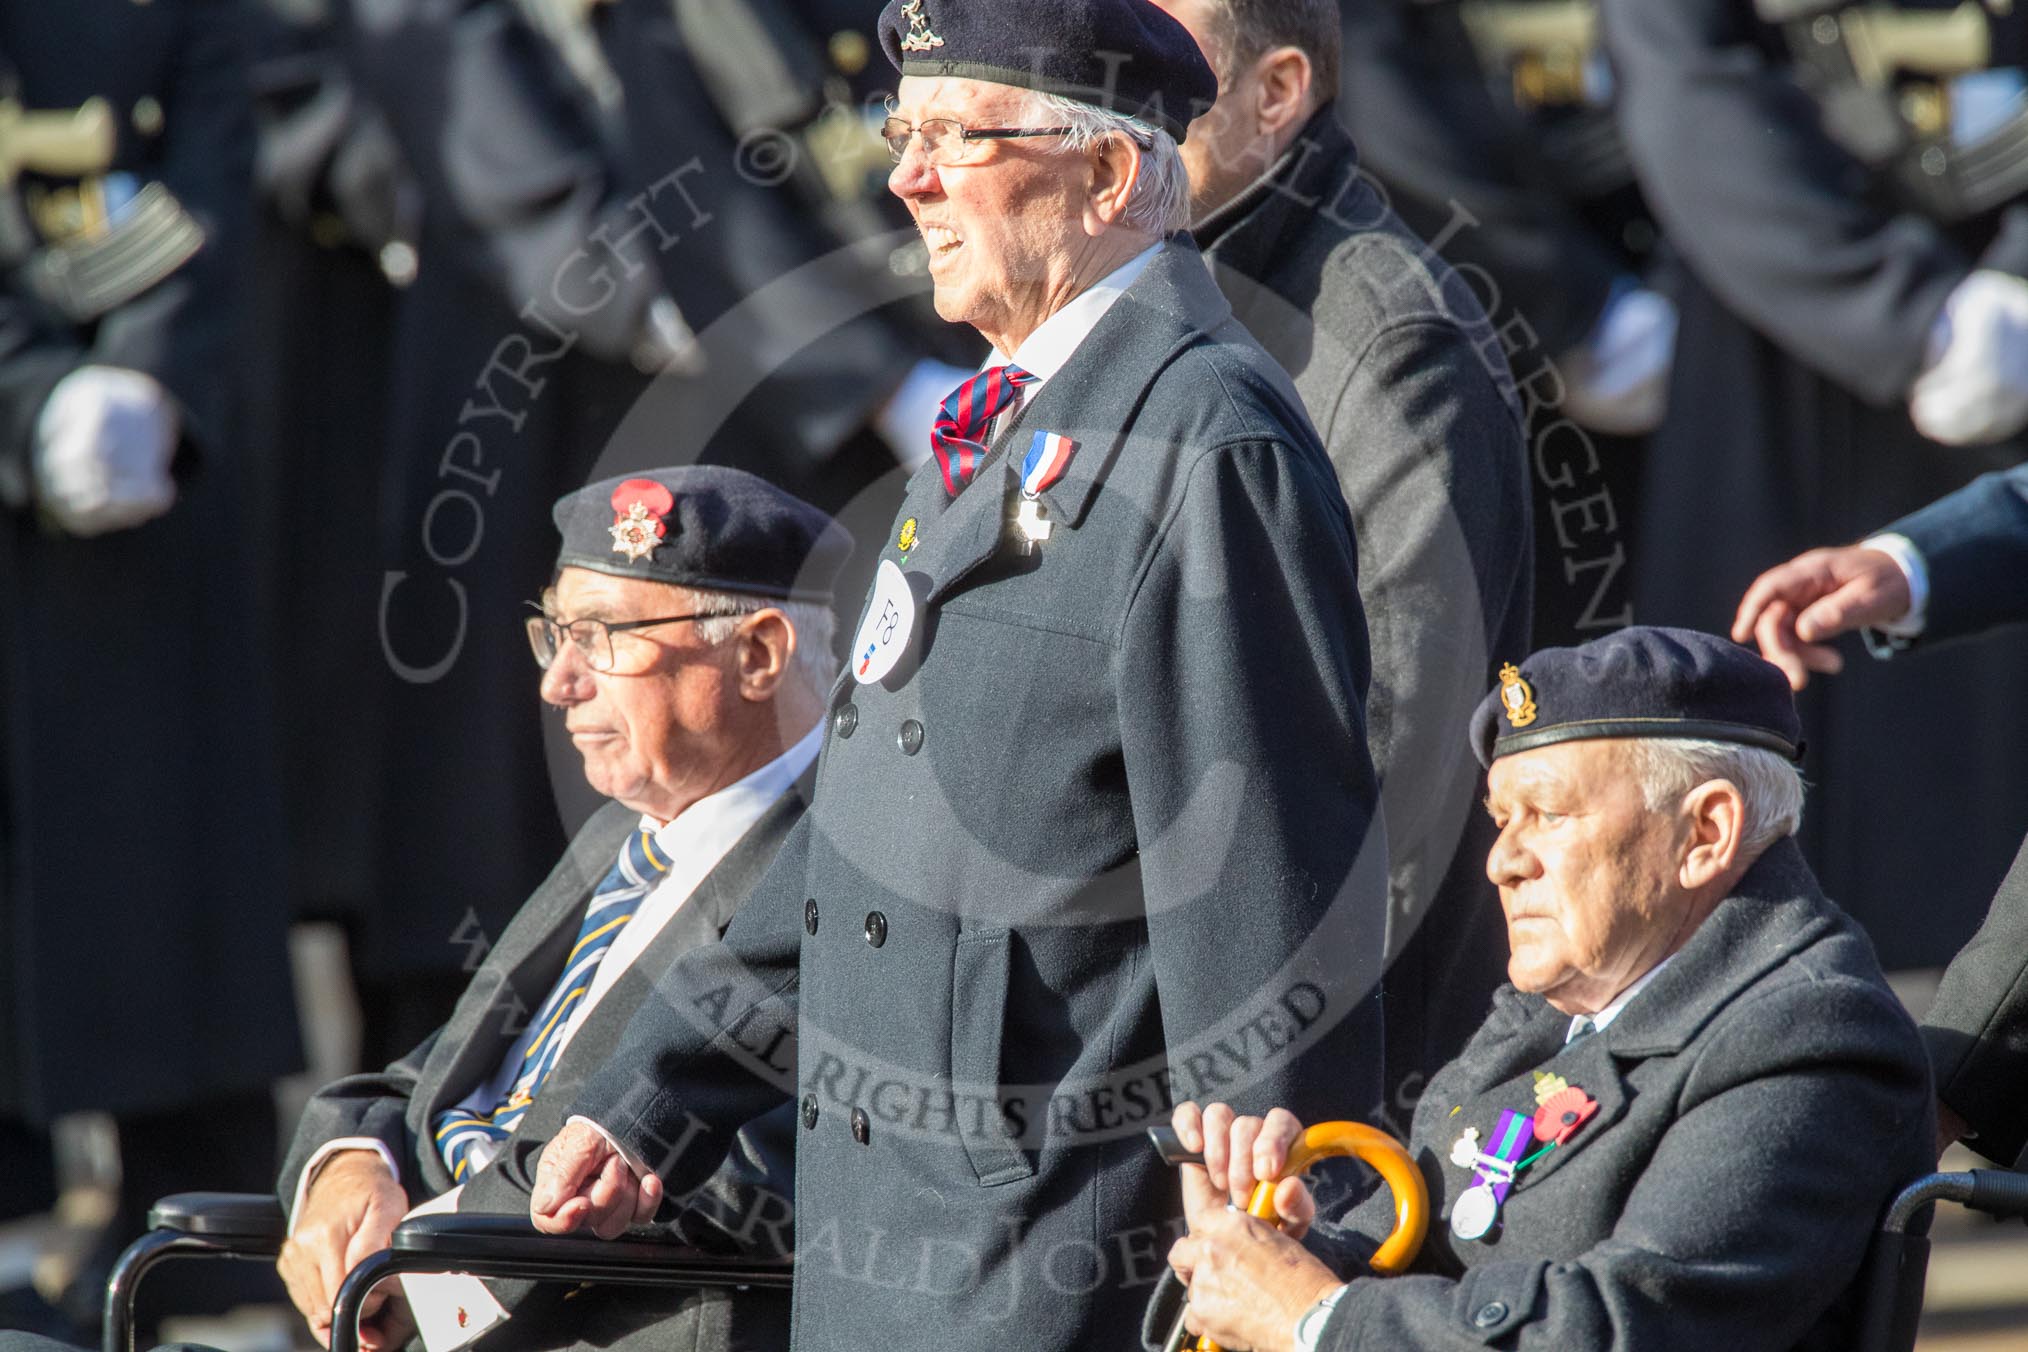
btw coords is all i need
(1328, 1140)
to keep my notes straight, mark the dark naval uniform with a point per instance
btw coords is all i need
(1098, 842)
(1816, 277)
(143, 895)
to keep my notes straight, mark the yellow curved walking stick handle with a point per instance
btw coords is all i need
(1389, 1158)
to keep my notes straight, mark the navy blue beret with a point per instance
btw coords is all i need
(703, 526)
(1639, 682)
(1126, 56)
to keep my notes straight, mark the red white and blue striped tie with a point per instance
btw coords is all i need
(958, 441)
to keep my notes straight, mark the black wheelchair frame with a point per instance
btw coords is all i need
(243, 1226)
(249, 1226)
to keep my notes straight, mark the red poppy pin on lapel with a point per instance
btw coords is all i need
(1562, 1113)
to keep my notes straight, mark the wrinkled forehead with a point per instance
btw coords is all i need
(972, 102)
(1591, 767)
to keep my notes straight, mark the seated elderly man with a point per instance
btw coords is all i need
(686, 643)
(1679, 1123)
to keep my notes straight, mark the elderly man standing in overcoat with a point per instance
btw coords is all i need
(1095, 799)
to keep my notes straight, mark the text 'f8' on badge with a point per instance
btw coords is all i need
(884, 633)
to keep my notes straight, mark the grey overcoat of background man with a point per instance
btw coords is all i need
(1085, 847)
(1409, 389)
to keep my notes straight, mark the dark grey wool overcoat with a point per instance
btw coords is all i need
(1758, 1103)
(1102, 841)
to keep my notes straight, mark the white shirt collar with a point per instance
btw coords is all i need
(738, 805)
(1597, 1022)
(1045, 351)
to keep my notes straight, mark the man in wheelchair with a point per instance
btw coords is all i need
(1679, 1122)
(685, 642)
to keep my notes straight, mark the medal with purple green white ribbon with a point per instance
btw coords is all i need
(1478, 1207)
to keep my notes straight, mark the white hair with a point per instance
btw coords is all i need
(1770, 785)
(1160, 201)
(815, 665)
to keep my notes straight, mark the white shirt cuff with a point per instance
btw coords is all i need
(1909, 560)
(450, 1309)
(1310, 1325)
(631, 1160)
(323, 1156)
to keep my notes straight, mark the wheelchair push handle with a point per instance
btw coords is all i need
(1328, 1140)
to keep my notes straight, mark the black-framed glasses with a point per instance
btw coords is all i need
(593, 639)
(946, 141)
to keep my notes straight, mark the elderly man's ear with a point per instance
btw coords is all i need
(1715, 814)
(1115, 165)
(766, 642)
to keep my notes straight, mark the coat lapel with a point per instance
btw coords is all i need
(1172, 304)
(515, 977)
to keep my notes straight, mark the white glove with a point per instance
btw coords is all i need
(1974, 388)
(1617, 380)
(102, 450)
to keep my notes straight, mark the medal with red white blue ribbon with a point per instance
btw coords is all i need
(1048, 457)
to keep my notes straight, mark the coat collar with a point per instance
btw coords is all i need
(1776, 910)
(1173, 303)
(1316, 173)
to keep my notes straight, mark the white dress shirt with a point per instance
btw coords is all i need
(453, 1310)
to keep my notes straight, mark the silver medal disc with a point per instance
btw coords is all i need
(1473, 1214)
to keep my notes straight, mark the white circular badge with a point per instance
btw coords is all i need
(883, 634)
(1473, 1214)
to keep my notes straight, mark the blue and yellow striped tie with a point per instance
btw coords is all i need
(461, 1129)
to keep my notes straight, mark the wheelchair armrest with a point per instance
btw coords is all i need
(645, 1254)
(1997, 1192)
(253, 1216)
(500, 1246)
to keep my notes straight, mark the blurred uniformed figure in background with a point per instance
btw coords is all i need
(143, 892)
(1846, 185)
(1488, 125)
(602, 191)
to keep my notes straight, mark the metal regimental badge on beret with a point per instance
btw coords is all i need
(1517, 697)
(919, 38)
(638, 508)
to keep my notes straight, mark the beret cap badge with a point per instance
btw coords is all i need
(1517, 697)
(920, 38)
(639, 506)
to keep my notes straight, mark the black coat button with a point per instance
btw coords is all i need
(861, 1127)
(810, 915)
(910, 737)
(1489, 1314)
(809, 1112)
(876, 928)
(845, 720)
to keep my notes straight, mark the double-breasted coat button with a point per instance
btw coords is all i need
(809, 1112)
(1489, 1314)
(861, 1127)
(910, 737)
(846, 720)
(876, 928)
(810, 915)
